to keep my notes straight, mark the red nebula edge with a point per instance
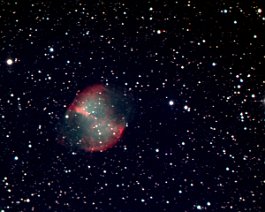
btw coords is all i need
(103, 128)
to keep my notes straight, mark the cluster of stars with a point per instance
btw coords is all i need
(193, 77)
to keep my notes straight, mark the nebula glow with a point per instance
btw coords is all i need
(94, 122)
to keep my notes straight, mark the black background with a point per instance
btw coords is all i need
(208, 155)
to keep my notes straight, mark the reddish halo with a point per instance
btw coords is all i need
(92, 116)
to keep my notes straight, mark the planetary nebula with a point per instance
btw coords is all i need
(95, 120)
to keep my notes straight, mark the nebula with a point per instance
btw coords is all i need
(95, 120)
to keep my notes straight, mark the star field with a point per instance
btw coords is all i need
(192, 75)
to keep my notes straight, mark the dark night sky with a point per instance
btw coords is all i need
(192, 76)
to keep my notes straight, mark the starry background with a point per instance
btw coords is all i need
(194, 74)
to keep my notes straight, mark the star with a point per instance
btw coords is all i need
(171, 102)
(9, 61)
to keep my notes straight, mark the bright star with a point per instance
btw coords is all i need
(9, 62)
(171, 102)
